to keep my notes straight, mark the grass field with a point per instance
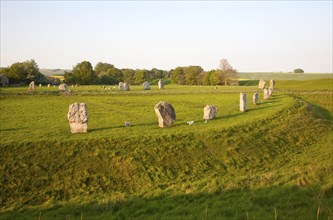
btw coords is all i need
(272, 162)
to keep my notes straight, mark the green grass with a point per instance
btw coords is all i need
(284, 76)
(272, 162)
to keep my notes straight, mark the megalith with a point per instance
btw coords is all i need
(63, 87)
(78, 117)
(165, 113)
(242, 102)
(4, 81)
(266, 93)
(127, 87)
(32, 87)
(160, 84)
(271, 84)
(210, 112)
(121, 86)
(262, 84)
(146, 85)
(255, 98)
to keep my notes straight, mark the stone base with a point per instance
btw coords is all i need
(78, 127)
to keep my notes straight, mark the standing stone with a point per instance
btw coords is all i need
(146, 85)
(63, 87)
(127, 87)
(165, 113)
(270, 91)
(121, 86)
(48, 85)
(266, 93)
(255, 98)
(262, 84)
(40, 85)
(271, 84)
(210, 112)
(4, 81)
(160, 84)
(32, 87)
(242, 102)
(78, 117)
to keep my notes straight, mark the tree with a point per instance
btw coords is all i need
(115, 74)
(101, 68)
(177, 76)
(228, 75)
(140, 76)
(83, 73)
(24, 72)
(192, 75)
(128, 75)
(298, 70)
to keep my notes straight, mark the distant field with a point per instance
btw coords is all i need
(272, 162)
(284, 76)
(53, 72)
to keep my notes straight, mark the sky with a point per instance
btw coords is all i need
(254, 36)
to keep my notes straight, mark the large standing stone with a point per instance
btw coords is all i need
(121, 86)
(146, 85)
(63, 87)
(255, 98)
(165, 113)
(242, 102)
(210, 112)
(270, 91)
(271, 84)
(32, 87)
(160, 84)
(127, 87)
(78, 117)
(266, 93)
(124, 86)
(262, 84)
(4, 80)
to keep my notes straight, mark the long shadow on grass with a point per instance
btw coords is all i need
(294, 202)
(12, 129)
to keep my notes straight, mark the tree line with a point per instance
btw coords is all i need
(107, 74)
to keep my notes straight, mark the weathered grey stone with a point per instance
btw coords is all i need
(127, 87)
(242, 102)
(160, 84)
(146, 85)
(271, 84)
(270, 91)
(4, 80)
(121, 86)
(78, 117)
(165, 113)
(255, 98)
(262, 84)
(63, 87)
(124, 86)
(266, 93)
(32, 87)
(48, 85)
(210, 112)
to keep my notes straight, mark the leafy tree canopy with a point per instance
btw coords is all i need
(298, 70)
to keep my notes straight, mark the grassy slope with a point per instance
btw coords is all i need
(273, 160)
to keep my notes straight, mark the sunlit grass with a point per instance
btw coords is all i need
(271, 162)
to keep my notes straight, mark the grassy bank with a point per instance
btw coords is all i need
(272, 162)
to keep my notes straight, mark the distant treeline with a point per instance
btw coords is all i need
(107, 74)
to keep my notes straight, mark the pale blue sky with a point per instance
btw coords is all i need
(252, 35)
